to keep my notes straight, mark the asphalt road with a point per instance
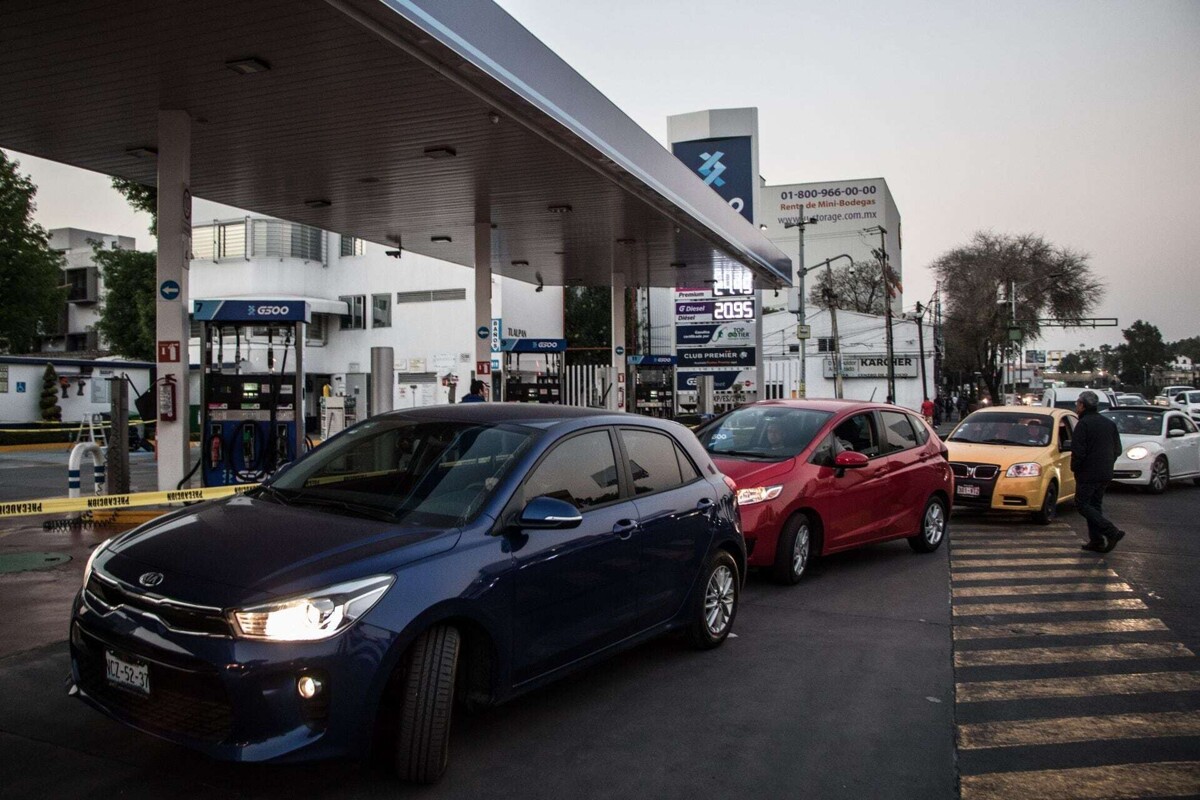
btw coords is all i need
(868, 679)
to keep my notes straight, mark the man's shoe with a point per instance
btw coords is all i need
(1118, 536)
(1096, 547)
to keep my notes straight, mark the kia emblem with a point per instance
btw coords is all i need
(151, 579)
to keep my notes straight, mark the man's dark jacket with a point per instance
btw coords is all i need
(1095, 446)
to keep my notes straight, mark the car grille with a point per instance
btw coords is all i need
(183, 702)
(966, 469)
(107, 594)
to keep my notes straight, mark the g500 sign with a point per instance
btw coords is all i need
(267, 311)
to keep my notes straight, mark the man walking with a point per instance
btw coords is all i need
(1095, 446)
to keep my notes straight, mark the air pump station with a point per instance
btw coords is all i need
(251, 384)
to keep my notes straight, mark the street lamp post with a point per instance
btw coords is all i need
(801, 223)
(881, 254)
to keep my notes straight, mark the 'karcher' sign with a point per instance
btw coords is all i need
(873, 366)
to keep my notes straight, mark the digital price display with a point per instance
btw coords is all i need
(733, 309)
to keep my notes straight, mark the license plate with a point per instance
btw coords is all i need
(126, 674)
(968, 491)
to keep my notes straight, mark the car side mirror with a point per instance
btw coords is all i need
(848, 459)
(546, 513)
(1175, 434)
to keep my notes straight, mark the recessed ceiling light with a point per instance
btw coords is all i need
(440, 152)
(141, 152)
(626, 241)
(440, 239)
(318, 203)
(679, 264)
(520, 263)
(369, 179)
(562, 208)
(248, 66)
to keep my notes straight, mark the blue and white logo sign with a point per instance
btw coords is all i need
(712, 168)
(169, 290)
(726, 165)
(482, 332)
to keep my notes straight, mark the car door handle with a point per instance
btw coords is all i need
(625, 528)
(704, 503)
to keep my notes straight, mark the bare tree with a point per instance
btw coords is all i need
(1049, 282)
(853, 288)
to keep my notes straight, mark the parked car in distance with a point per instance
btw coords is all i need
(1014, 459)
(473, 551)
(1158, 445)
(1132, 399)
(1065, 397)
(818, 476)
(1188, 402)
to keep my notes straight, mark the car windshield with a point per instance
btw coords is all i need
(772, 433)
(1136, 423)
(1070, 404)
(435, 473)
(1193, 397)
(1004, 428)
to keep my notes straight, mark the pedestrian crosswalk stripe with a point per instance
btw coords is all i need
(1065, 730)
(1080, 686)
(1038, 588)
(1062, 655)
(1097, 571)
(1050, 606)
(967, 632)
(1114, 782)
(1015, 551)
(1078, 561)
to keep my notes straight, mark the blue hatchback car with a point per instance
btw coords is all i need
(464, 553)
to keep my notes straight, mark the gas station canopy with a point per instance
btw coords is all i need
(402, 122)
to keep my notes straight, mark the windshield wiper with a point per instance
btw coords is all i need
(999, 441)
(358, 509)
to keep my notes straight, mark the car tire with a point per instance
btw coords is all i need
(423, 734)
(1049, 510)
(715, 606)
(793, 552)
(1160, 476)
(935, 523)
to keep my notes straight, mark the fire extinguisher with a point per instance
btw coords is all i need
(166, 400)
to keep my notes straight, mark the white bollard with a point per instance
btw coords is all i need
(73, 463)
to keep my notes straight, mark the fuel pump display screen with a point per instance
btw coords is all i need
(249, 390)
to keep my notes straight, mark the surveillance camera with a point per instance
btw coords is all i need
(393, 253)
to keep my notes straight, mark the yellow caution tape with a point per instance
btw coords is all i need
(106, 502)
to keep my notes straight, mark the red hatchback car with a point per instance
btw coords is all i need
(819, 476)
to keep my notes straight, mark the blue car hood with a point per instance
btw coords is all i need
(258, 548)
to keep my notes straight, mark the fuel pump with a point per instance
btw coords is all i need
(252, 419)
(653, 382)
(533, 369)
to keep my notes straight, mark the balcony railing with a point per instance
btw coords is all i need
(244, 239)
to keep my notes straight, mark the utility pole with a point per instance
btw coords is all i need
(921, 349)
(881, 254)
(801, 223)
(831, 304)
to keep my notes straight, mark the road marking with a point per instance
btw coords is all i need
(957, 553)
(1064, 730)
(1038, 588)
(1064, 655)
(965, 632)
(1023, 562)
(1097, 571)
(1115, 782)
(1079, 686)
(1050, 606)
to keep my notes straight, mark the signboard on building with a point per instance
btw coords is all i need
(726, 165)
(873, 366)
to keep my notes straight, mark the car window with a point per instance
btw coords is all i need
(1175, 423)
(823, 454)
(1005, 428)
(653, 462)
(1064, 433)
(1190, 426)
(1136, 423)
(767, 432)
(897, 431)
(921, 428)
(581, 470)
(858, 434)
(1193, 397)
(687, 469)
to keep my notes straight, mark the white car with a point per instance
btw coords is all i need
(1169, 393)
(1158, 445)
(1188, 402)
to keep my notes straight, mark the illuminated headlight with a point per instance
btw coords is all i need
(1028, 469)
(318, 615)
(1137, 453)
(748, 497)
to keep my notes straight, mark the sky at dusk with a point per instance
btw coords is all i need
(1079, 121)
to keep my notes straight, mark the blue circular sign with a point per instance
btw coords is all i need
(620, 351)
(482, 332)
(169, 290)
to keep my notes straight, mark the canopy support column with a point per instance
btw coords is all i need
(483, 304)
(616, 397)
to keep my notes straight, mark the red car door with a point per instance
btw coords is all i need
(853, 502)
(906, 482)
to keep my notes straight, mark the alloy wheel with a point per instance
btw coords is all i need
(1158, 475)
(935, 523)
(800, 550)
(718, 600)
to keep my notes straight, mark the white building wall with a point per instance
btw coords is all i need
(22, 389)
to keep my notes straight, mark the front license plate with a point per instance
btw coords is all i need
(967, 490)
(126, 674)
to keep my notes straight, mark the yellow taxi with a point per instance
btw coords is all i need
(1015, 459)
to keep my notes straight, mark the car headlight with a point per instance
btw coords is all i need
(87, 568)
(1136, 453)
(759, 494)
(317, 615)
(1027, 469)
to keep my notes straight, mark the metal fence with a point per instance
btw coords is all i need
(587, 385)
